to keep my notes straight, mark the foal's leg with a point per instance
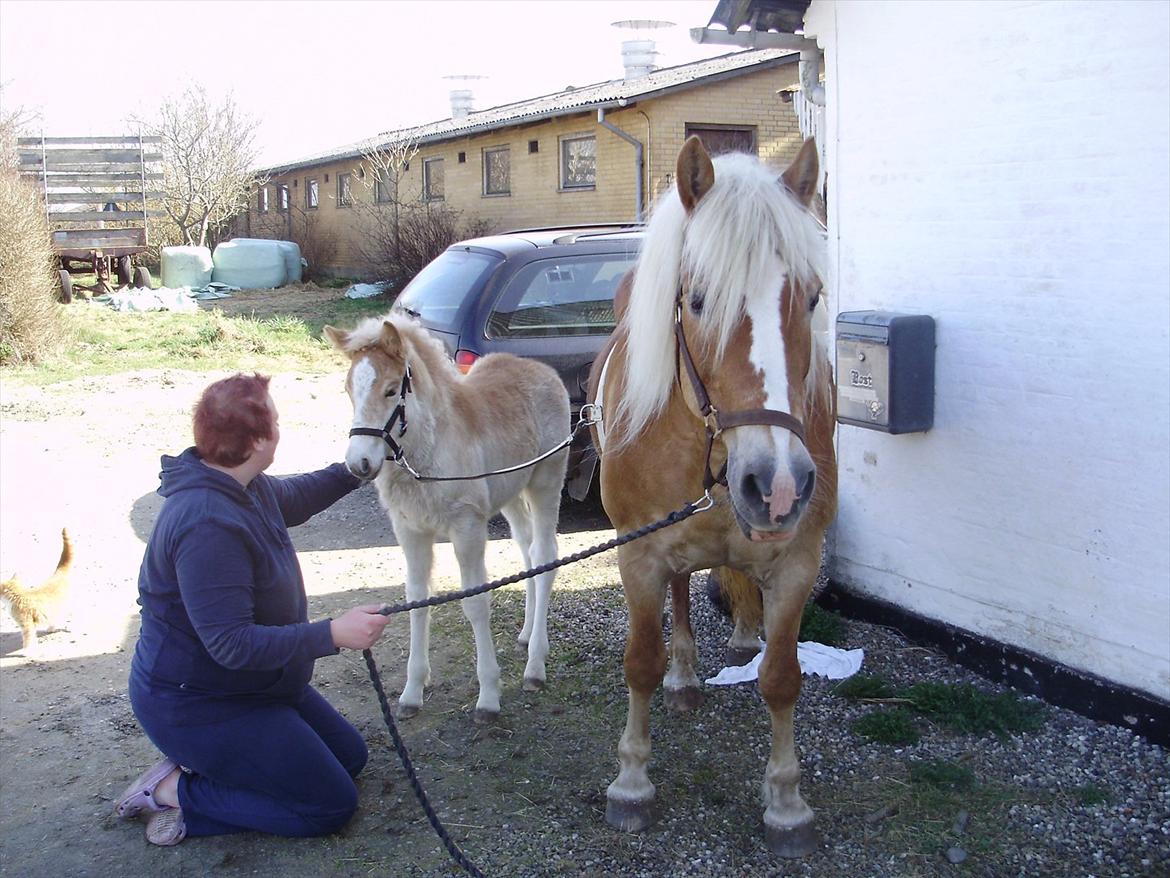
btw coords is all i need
(543, 496)
(516, 513)
(680, 689)
(629, 797)
(417, 550)
(469, 537)
(788, 821)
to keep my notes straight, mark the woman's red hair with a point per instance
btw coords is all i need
(231, 416)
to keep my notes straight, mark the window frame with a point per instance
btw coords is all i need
(562, 142)
(262, 202)
(496, 150)
(427, 164)
(283, 198)
(697, 128)
(381, 193)
(344, 190)
(312, 194)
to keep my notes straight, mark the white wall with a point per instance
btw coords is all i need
(1004, 167)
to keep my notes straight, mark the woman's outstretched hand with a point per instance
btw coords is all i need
(358, 628)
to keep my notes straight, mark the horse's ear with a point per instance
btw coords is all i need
(696, 174)
(391, 339)
(337, 337)
(801, 177)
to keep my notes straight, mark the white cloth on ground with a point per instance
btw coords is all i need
(814, 658)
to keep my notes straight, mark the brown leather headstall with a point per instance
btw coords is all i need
(716, 421)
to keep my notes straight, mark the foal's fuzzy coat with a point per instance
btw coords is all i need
(505, 411)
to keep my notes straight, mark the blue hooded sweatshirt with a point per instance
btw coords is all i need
(224, 613)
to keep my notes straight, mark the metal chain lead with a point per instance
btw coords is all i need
(453, 849)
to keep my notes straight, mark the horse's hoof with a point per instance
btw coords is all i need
(627, 816)
(683, 700)
(795, 841)
(483, 717)
(405, 711)
(531, 684)
(740, 655)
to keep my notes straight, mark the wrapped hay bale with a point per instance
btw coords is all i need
(186, 267)
(249, 264)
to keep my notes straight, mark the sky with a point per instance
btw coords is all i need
(316, 75)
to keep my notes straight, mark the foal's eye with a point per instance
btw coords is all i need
(389, 392)
(696, 303)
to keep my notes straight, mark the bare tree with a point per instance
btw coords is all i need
(388, 163)
(208, 158)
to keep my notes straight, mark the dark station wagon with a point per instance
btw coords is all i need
(546, 294)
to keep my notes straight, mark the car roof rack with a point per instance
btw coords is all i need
(616, 225)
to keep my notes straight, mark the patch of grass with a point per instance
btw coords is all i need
(942, 775)
(864, 686)
(346, 312)
(1090, 794)
(337, 283)
(967, 709)
(821, 626)
(895, 726)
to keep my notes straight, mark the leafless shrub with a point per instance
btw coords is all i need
(30, 320)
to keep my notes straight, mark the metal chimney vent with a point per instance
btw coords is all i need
(639, 55)
(462, 100)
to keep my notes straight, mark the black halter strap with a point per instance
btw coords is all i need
(716, 421)
(397, 417)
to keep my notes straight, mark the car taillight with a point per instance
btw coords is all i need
(464, 360)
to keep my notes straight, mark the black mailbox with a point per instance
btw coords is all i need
(885, 371)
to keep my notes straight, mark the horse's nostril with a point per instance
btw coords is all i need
(805, 489)
(365, 467)
(753, 488)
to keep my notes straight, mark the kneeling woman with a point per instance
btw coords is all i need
(220, 676)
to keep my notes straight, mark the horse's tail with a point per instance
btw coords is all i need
(736, 596)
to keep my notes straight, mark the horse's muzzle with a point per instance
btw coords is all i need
(768, 503)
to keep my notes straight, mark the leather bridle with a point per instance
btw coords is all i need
(716, 421)
(397, 416)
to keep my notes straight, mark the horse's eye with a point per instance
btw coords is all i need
(696, 303)
(812, 302)
(389, 392)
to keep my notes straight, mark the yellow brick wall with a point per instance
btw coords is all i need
(536, 198)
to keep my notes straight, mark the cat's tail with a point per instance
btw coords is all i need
(66, 560)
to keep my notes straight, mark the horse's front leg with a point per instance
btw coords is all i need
(680, 690)
(469, 538)
(543, 501)
(629, 797)
(788, 821)
(417, 550)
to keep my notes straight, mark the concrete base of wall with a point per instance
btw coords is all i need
(1027, 672)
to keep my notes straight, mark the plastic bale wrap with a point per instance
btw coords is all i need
(249, 264)
(186, 267)
(292, 257)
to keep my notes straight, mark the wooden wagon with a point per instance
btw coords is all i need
(96, 191)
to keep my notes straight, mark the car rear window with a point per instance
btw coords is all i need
(572, 295)
(437, 292)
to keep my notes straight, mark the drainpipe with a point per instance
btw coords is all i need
(810, 54)
(638, 215)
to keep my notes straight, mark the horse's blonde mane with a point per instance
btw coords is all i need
(427, 355)
(746, 214)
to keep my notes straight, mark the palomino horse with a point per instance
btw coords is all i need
(714, 375)
(503, 412)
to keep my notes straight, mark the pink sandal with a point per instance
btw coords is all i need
(166, 827)
(139, 796)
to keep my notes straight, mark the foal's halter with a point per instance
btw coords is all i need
(716, 421)
(398, 416)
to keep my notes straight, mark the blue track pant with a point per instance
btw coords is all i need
(281, 768)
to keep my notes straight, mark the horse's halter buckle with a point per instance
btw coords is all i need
(397, 416)
(716, 422)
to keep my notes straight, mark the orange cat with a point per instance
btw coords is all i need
(39, 608)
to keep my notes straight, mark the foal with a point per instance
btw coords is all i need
(505, 411)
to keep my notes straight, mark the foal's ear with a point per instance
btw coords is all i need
(696, 174)
(337, 337)
(391, 339)
(801, 177)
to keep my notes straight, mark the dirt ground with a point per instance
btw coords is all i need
(524, 797)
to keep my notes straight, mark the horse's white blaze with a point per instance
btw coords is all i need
(363, 378)
(768, 356)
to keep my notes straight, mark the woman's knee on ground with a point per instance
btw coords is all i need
(333, 809)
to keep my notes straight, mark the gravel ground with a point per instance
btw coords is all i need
(524, 797)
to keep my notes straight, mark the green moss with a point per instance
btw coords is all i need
(942, 775)
(821, 626)
(894, 727)
(967, 709)
(864, 686)
(1090, 794)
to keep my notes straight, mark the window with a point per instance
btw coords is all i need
(533, 147)
(578, 162)
(497, 171)
(383, 191)
(437, 293)
(344, 193)
(560, 297)
(718, 139)
(312, 194)
(262, 199)
(462, 158)
(282, 198)
(433, 188)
